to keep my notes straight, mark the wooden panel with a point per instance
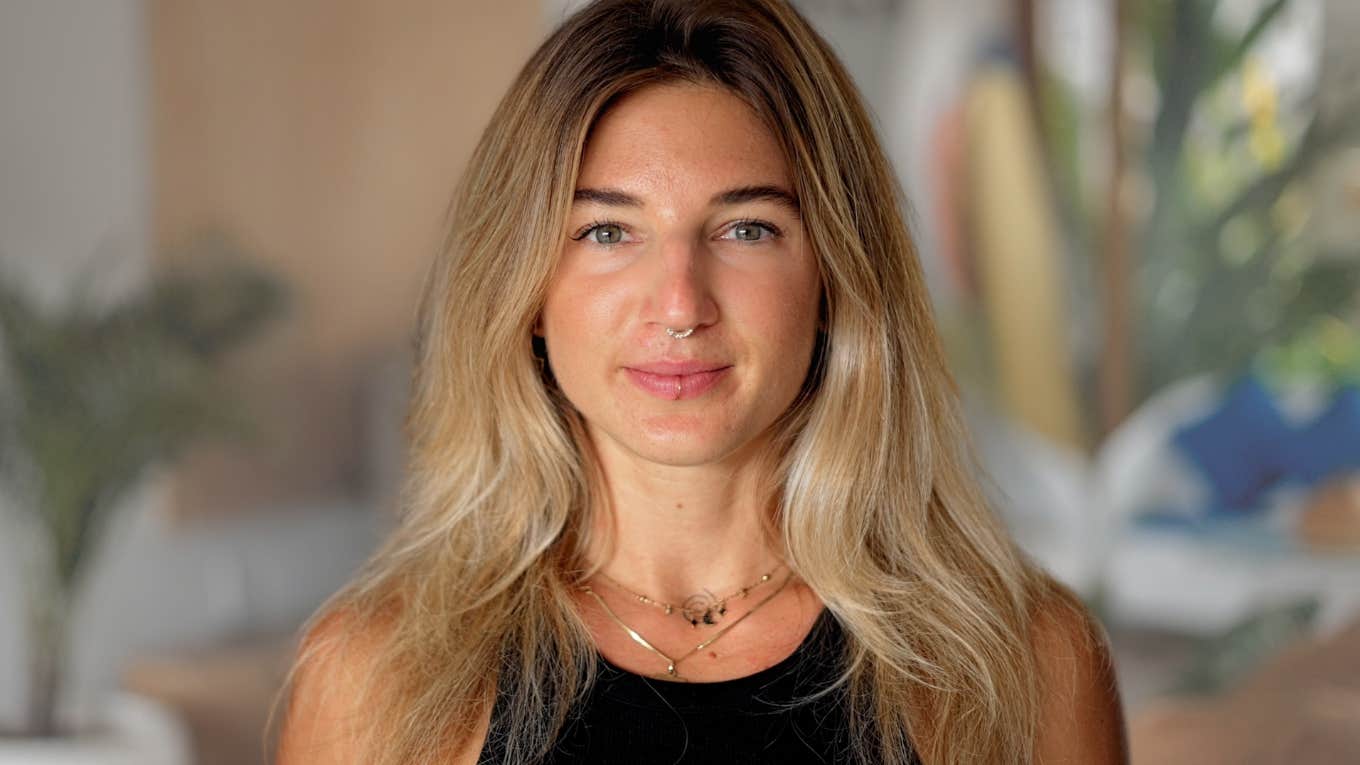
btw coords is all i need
(324, 137)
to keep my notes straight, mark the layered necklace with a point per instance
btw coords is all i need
(702, 608)
(673, 662)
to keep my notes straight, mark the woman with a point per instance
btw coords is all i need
(688, 480)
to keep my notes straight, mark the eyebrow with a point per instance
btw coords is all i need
(617, 198)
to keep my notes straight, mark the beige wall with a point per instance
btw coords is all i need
(325, 137)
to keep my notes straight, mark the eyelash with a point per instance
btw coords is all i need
(774, 231)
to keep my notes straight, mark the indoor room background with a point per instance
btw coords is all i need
(1139, 220)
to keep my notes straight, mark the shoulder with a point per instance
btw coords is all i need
(336, 684)
(1080, 718)
(326, 689)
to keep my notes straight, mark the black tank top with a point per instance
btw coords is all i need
(630, 719)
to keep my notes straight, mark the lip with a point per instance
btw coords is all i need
(682, 367)
(676, 380)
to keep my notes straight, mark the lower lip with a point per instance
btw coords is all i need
(677, 387)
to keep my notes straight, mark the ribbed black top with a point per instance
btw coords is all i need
(634, 720)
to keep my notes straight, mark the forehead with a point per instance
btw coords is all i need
(681, 134)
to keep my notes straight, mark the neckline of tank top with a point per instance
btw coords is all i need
(821, 628)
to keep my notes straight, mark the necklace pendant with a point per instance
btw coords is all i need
(706, 614)
(714, 613)
(703, 608)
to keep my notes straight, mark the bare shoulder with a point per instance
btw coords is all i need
(332, 692)
(327, 686)
(1080, 717)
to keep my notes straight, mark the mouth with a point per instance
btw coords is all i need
(675, 381)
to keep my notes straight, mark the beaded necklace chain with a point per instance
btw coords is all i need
(702, 608)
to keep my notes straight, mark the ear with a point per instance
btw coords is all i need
(540, 350)
(538, 326)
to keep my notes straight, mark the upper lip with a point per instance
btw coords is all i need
(678, 367)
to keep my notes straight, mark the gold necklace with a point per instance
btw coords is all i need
(672, 663)
(702, 608)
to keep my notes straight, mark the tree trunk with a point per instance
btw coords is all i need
(48, 618)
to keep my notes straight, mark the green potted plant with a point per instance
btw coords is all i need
(90, 398)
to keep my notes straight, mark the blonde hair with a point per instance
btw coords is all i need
(878, 507)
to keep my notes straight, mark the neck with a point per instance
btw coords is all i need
(678, 531)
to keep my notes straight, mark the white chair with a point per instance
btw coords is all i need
(1204, 582)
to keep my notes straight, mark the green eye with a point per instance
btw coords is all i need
(752, 231)
(601, 233)
(606, 233)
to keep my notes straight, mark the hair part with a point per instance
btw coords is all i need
(878, 505)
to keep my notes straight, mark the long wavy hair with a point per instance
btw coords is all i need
(878, 507)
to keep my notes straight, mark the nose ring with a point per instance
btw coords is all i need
(679, 334)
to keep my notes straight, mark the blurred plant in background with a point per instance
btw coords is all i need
(1220, 191)
(1326, 348)
(90, 398)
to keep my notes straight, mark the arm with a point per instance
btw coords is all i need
(1080, 718)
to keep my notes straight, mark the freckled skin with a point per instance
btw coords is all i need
(674, 261)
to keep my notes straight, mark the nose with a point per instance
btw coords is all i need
(681, 295)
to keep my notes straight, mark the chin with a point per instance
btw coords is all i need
(683, 444)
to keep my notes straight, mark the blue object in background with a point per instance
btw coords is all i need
(1240, 446)
(1330, 444)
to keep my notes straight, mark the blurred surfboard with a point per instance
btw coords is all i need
(1018, 256)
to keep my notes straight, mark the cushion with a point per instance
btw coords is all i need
(1239, 446)
(1330, 444)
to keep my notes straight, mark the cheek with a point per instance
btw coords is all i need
(781, 318)
(801, 310)
(788, 304)
(573, 305)
(580, 316)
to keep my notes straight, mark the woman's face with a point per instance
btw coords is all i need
(684, 218)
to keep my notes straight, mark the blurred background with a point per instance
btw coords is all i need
(1140, 221)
